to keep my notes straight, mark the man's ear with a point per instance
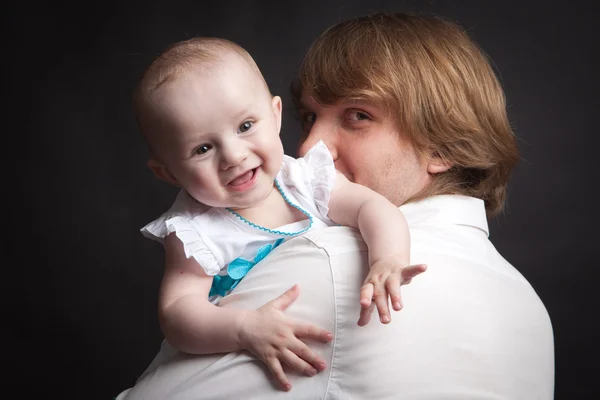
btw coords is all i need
(161, 172)
(276, 103)
(436, 165)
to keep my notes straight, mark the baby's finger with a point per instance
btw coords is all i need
(308, 331)
(366, 294)
(411, 271)
(277, 371)
(295, 362)
(365, 314)
(381, 301)
(309, 359)
(301, 350)
(286, 299)
(392, 284)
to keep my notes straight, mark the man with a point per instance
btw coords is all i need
(410, 107)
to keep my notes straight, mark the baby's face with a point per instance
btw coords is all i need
(217, 134)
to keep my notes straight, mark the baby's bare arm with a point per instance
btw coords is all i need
(188, 320)
(194, 325)
(385, 231)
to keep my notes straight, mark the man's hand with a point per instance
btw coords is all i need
(383, 281)
(274, 338)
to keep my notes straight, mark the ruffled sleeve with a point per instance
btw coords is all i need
(316, 171)
(179, 219)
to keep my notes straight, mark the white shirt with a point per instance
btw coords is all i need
(472, 327)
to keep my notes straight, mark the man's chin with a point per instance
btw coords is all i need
(348, 176)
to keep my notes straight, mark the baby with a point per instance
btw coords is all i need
(212, 127)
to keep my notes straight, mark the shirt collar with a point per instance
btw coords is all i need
(453, 209)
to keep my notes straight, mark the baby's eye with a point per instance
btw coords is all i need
(203, 149)
(245, 127)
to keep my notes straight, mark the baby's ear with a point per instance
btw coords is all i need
(162, 172)
(437, 164)
(276, 103)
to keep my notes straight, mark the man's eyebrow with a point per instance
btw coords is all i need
(301, 105)
(304, 104)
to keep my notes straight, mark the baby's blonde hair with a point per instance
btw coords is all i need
(177, 60)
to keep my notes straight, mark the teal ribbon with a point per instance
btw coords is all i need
(237, 270)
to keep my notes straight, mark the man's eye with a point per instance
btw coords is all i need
(203, 149)
(245, 127)
(359, 116)
(309, 118)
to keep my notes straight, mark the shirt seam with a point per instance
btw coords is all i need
(335, 319)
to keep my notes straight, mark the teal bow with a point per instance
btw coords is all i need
(237, 269)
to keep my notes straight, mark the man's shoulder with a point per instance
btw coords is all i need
(466, 245)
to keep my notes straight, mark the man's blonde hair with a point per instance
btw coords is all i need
(435, 82)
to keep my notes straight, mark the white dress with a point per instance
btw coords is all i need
(225, 244)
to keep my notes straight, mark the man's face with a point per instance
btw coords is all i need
(366, 146)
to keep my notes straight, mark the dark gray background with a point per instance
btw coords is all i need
(81, 290)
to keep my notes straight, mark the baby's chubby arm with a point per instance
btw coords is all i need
(194, 325)
(384, 230)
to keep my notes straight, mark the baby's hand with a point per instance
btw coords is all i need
(384, 279)
(274, 338)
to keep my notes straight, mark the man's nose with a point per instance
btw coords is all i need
(320, 132)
